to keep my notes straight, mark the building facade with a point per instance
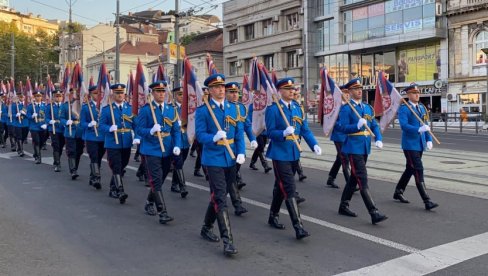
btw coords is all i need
(468, 35)
(196, 51)
(28, 23)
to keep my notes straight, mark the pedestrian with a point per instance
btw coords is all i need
(285, 154)
(415, 140)
(220, 167)
(357, 146)
(178, 183)
(55, 128)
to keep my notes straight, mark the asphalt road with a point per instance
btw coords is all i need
(50, 225)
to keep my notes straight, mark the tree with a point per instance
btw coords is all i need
(187, 39)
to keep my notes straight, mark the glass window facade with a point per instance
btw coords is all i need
(338, 66)
(419, 63)
(481, 42)
(249, 32)
(232, 36)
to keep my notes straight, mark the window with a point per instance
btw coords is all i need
(232, 36)
(481, 42)
(292, 21)
(233, 68)
(247, 65)
(267, 27)
(268, 61)
(292, 59)
(249, 32)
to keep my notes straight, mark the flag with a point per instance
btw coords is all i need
(387, 100)
(79, 87)
(129, 86)
(263, 96)
(246, 92)
(28, 88)
(103, 86)
(141, 90)
(330, 101)
(49, 90)
(66, 84)
(274, 77)
(211, 68)
(192, 98)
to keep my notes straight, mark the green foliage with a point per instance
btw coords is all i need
(75, 27)
(187, 39)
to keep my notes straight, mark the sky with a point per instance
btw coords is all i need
(91, 12)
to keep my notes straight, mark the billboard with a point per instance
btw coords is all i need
(172, 49)
(419, 63)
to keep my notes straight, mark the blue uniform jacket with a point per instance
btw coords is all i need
(24, 121)
(249, 116)
(41, 116)
(184, 136)
(76, 131)
(170, 130)
(215, 153)
(358, 141)
(244, 118)
(85, 118)
(125, 124)
(283, 148)
(4, 118)
(57, 115)
(411, 138)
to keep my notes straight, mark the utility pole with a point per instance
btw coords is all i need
(305, 58)
(177, 42)
(117, 44)
(12, 56)
(70, 4)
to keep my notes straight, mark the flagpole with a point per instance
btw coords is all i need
(155, 122)
(52, 113)
(18, 110)
(420, 120)
(359, 116)
(286, 122)
(116, 136)
(226, 142)
(91, 115)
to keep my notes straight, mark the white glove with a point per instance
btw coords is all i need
(176, 151)
(17, 115)
(179, 122)
(92, 124)
(219, 135)
(289, 130)
(379, 144)
(254, 144)
(23, 112)
(240, 159)
(113, 128)
(424, 128)
(52, 122)
(155, 128)
(429, 145)
(69, 122)
(362, 122)
(34, 115)
(317, 150)
(44, 126)
(136, 141)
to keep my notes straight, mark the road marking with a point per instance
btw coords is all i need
(429, 260)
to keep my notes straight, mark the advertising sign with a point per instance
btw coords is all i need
(172, 53)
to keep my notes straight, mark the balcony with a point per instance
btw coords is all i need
(462, 6)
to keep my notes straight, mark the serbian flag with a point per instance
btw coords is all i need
(274, 77)
(212, 69)
(246, 92)
(263, 97)
(130, 87)
(66, 84)
(141, 90)
(49, 90)
(387, 100)
(28, 88)
(330, 101)
(104, 86)
(80, 89)
(192, 98)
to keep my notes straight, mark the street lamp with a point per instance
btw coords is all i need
(485, 50)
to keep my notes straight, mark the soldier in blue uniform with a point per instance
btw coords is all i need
(20, 122)
(285, 154)
(338, 137)
(3, 120)
(220, 167)
(118, 155)
(357, 146)
(178, 183)
(262, 140)
(415, 140)
(36, 114)
(53, 123)
(301, 175)
(94, 142)
(158, 162)
(73, 138)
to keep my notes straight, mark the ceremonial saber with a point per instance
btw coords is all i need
(155, 122)
(359, 116)
(226, 142)
(113, 120)
(286, 122)
(420, 120)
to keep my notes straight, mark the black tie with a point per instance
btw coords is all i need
(161, 107)
(418, 109)
(120, 107)
(222, 107)
(289, 107)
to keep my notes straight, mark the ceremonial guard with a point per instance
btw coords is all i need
(301, 175)
(415, 140)
(158, 121)
(220, 131)
(73, 135)
(262, 140)
(20, 122)
(3, 120)
(285, 154)
(357, 146)
(338, 137)
(55, 128)
(178, 183)
(117, 121)
(36, 114)
(92, 135)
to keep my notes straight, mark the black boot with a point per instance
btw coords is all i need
(345, 211)
(137, 157)
(149, 206)
(292, 206)
(140, 172)
(252, 166)
(161, 208)
(13, 146)
(72, 168)
(274, 209)
(208, 222)
(226, 233)
(119, 185)
(376, 216)
(175, 188)
(240, 183)
(181, 182)
(330, 182)
(398, 195)
(37, 154)
(197, 173)
(57, 161)
(429, 205)
(235, 198)
(264, 163)
(95, 170)
(113, 193)
(301, 176)
(20, 148)
(299, 199)
(274, 222)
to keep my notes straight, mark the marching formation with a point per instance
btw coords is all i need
(168, 124)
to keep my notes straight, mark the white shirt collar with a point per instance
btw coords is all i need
(178, 104)
(285, 102)
(218, 103)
